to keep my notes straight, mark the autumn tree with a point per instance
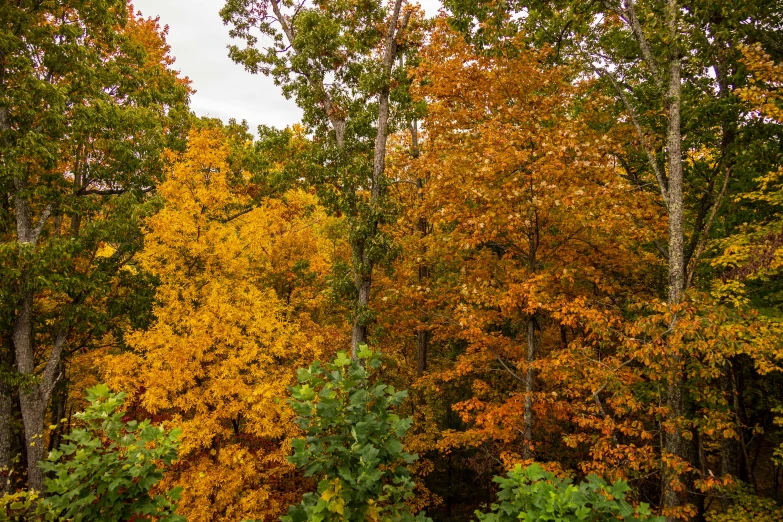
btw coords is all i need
(672, 68)
(535, 233)
(88, 100)
(228, 332)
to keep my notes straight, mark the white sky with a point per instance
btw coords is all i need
(225, 90)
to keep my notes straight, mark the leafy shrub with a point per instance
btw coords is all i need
(748, 506)
(534, 495)
(21, 507)
(105, 469)
(352, 445)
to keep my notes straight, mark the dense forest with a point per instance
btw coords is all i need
(518, 261)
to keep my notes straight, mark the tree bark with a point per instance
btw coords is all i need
(674, 446)
(363, 272)
(6, 417)
(532, 348)
(362, 267)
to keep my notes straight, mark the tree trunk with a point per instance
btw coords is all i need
(674, 445)
(35, 393)
(30, 397)
(59, 402)
(6, 417)
(730, 452)
(423, 332)
(363, 282)
(363, 272)
(33, 412)
(532, 348)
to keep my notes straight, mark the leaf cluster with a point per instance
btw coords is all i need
(105, 469)
(352, 443)
(533, 494)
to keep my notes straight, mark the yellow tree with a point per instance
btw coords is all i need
(224, 345)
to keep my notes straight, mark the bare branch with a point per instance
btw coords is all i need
(238, 214)
(659, 175)
(49, 379)
(706, 230)
(108, 192)
(41, 222)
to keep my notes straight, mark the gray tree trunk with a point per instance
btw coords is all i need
(35, 394)
(532, 349)
(363, 272)
(674, 443)
(6, 417)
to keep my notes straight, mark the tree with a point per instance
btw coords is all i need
(87, 102)
(218, 357)
(336, 59)
(107, 468)
(536, 219)
(352, 443)
(672, 67)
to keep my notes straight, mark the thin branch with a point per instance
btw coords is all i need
(238, 214)
(659, 175)
(706, 230)
(49, 380)
(108, 192)
(644, 44)
(41, 222)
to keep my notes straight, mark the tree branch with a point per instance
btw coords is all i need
(659, 175)
(706, 230)
(644, 44)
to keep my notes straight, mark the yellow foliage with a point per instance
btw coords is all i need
(224, 345)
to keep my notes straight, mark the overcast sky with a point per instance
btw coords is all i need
(225, 90)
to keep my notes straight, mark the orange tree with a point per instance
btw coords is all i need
(544, 296)
(536, 240)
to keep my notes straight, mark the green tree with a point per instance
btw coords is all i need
(88, 101)
(106, 468)
(339, 60)
(352, 444)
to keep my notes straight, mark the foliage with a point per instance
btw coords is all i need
(88, 102)
(533, 494)
(353, 443)
(508, 256)
(746, 505)
(339, 61)
(235, 313)
(21, 506)
(106, 468)
(535, 242)
(752, 256)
